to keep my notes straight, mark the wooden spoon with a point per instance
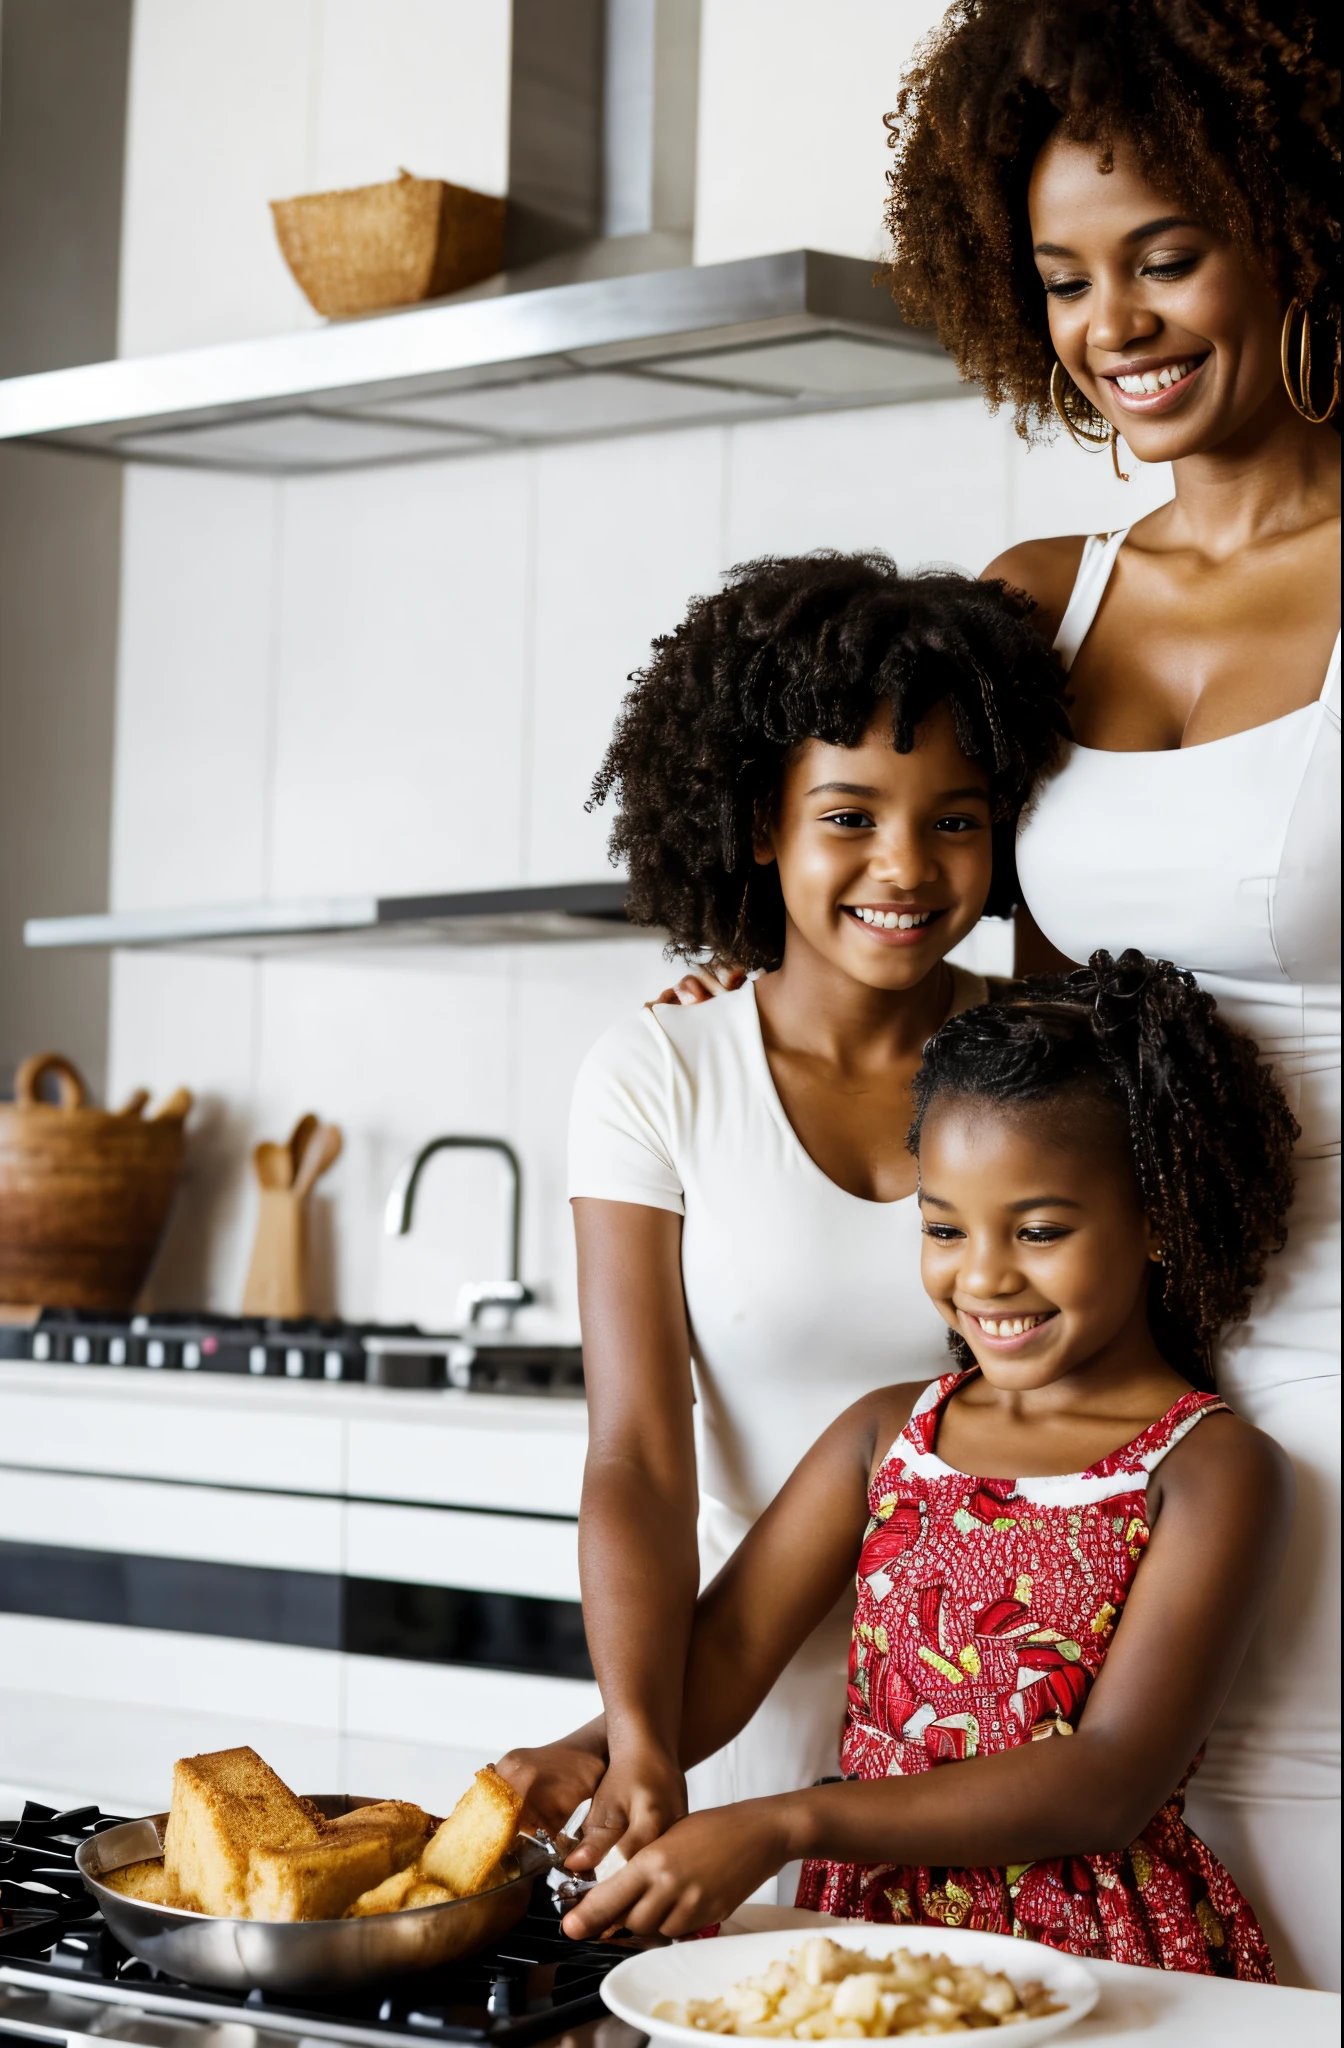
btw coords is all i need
(298, 1141)
(275, 1168)
(322, 1150)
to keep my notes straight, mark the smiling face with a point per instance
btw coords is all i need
(1036, 1248)
(1170, 331)
(884, 858)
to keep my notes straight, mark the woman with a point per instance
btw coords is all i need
(1122, 215)
(813, 772)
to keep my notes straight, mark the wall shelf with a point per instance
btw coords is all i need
(521, 361)
(483, 917)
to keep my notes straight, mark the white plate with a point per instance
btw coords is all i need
(704, 1969)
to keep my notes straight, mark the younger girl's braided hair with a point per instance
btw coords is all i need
(1209, 1133)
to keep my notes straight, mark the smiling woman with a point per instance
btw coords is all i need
(1123, 215)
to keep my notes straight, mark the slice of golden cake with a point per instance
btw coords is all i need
(424, 1894)
(406, 1826)
(319, 1880)
(148, 1881)
(463, 1852)
(387, 1897)
(226, 1804)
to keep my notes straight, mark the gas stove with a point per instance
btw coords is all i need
(63, 1974)
(306, 1348)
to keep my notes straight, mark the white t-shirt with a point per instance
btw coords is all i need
(801, 1298)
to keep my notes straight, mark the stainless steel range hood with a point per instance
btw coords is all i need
(503, 366)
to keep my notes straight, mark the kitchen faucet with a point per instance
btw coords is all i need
(473, 1296)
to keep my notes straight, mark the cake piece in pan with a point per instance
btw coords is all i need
(226, 1804)
(463, 1852)
(319, 1880)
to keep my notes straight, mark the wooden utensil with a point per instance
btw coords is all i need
(84, 1192)
(298, 1142)
(323, 1149)
(277, 1279)
(275, 1169)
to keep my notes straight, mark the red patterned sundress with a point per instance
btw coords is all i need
(985, 1608)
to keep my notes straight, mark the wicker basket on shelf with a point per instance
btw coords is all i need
(378, 246)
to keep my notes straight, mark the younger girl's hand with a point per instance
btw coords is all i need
(554, 1779)
(693, 1876)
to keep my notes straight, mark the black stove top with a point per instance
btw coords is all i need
(535, 1983)
(305, 1348)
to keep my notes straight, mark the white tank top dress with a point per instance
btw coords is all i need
(1225, 858)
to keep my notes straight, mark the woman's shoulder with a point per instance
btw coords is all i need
(1046, 569)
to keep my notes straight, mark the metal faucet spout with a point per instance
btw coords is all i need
(509, 1293)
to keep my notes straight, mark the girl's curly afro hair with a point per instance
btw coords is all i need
(810, 647)
(1208, 1131)
(1231, 107)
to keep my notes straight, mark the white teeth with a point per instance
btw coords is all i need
(1155, 380)
(1008, 1326)
(893, 920)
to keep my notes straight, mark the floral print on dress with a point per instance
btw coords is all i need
(985, 1610)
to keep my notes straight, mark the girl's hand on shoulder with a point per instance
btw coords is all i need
(640, 1796)
(693, 1876)
(556, 1778)
(701, 985)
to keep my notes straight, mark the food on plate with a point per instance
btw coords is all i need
(318, 1880)
(467, 1854)
(225, 1805)
(148, 1881)
(479, 1830)
(239, 1845)
(826, 1992)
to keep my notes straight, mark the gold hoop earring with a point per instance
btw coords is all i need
(1299, 391)
(1081, 432)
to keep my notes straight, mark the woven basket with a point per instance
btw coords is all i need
(84, 1193)
(389, 245)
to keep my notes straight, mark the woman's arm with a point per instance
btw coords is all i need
(638, 1560)
(1223, 1505)
(1046, 570)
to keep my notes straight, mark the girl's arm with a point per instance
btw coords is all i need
(638, 1561)
(1223, 1503)
(778, 1585)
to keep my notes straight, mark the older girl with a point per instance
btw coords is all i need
(819, 774)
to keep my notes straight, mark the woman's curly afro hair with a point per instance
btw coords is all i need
(1209, 1134)
(1231, 107)
(810, 647)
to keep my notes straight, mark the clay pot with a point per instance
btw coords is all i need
(84, 1193)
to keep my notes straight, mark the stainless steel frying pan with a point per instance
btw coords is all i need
(299, 1956)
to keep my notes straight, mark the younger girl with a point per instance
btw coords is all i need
(1103, 1167)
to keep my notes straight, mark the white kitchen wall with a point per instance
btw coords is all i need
(791, 150)
(237, 102)
(403, 680)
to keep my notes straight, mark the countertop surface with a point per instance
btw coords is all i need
(1144, 2008)
(312, 1400)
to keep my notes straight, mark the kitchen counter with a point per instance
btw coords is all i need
(1146, 2008)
